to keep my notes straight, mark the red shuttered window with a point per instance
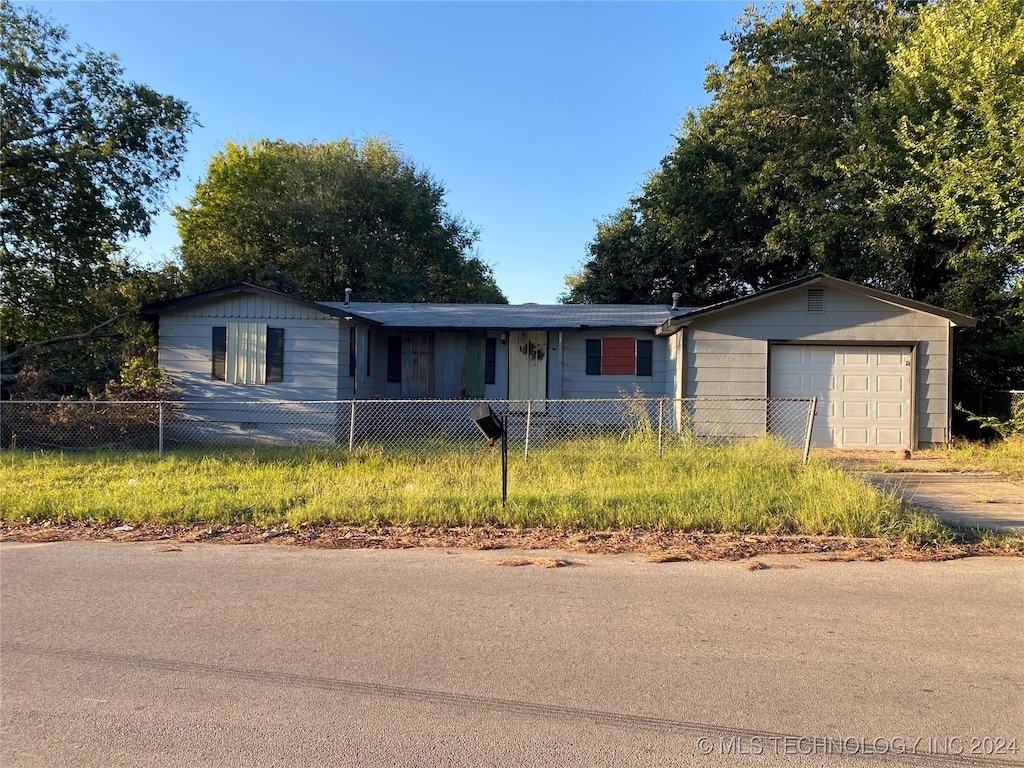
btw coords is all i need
(618, 356)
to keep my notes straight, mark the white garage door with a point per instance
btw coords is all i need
(864, 398)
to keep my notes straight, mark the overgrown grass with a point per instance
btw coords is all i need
(1005, 456)
(758, 488)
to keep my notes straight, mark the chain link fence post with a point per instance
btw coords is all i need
(526, 447)
(352, 428)
(661, 422)
(160, 431)
(811, 408)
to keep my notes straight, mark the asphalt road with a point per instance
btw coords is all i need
(212, 655)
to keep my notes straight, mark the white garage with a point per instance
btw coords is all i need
(863, 392)
(878, 364)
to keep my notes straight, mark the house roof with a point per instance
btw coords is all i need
(538, 317)
(153, 310)
(674, 324)
(659, 318)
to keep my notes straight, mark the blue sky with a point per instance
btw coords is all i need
(539, 118)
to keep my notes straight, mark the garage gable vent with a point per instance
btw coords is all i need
(815, 299)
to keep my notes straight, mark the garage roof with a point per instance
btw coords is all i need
(674, 324)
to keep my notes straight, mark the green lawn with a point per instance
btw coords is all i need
(758, 487)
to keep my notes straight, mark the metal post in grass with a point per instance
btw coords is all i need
(661, 421)
(811, 408)
(493, 429)
(504, 459)
(352, 428)
(160, 421)
(529, 412)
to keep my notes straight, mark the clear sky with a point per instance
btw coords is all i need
(539, 118)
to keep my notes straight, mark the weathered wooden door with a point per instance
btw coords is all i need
(449, 365)
(528, 368)
(417, 365)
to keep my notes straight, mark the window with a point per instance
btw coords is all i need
(490, 359)
(593, 357)
(248, 353)
(620, 357)
(394, 360)
(275, 354)
(352, 352)
(644, 357)
(220, 350)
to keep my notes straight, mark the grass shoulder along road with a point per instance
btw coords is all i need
(752, 489)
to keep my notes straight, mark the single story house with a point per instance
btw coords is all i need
(878, 364)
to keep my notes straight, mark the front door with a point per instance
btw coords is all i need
(528, 369)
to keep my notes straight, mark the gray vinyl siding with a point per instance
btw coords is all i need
(727, 353)
(311, 349)
(251, 307)
(576, 384)
(499, 389)
(556, 365)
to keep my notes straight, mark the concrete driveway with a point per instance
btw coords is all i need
(982, 500)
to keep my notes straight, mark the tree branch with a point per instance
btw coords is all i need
(92, 333)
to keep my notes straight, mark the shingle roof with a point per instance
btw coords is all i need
(511, 316)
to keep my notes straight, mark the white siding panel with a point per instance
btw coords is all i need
(310, 350)
(248, 306)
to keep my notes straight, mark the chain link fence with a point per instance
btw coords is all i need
(394, 424)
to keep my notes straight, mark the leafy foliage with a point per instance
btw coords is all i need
(876, 140)
(1005, 428)
(85, 159)
(957, 90)
(315, 219)
(107, 361)
(754, 192)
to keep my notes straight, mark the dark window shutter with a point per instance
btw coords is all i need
(593, 357)
(490, 359)
(644, 357)
(220, 351)
(275, 354)
(394, 359)
(352, 352)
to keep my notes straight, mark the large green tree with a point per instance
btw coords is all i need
(958, 88)
(756, 190)
(85, 158)
(877, 140)
(314, 219)
(957, 91)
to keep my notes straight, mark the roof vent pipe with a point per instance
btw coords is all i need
(675, 301)
(348, 296)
